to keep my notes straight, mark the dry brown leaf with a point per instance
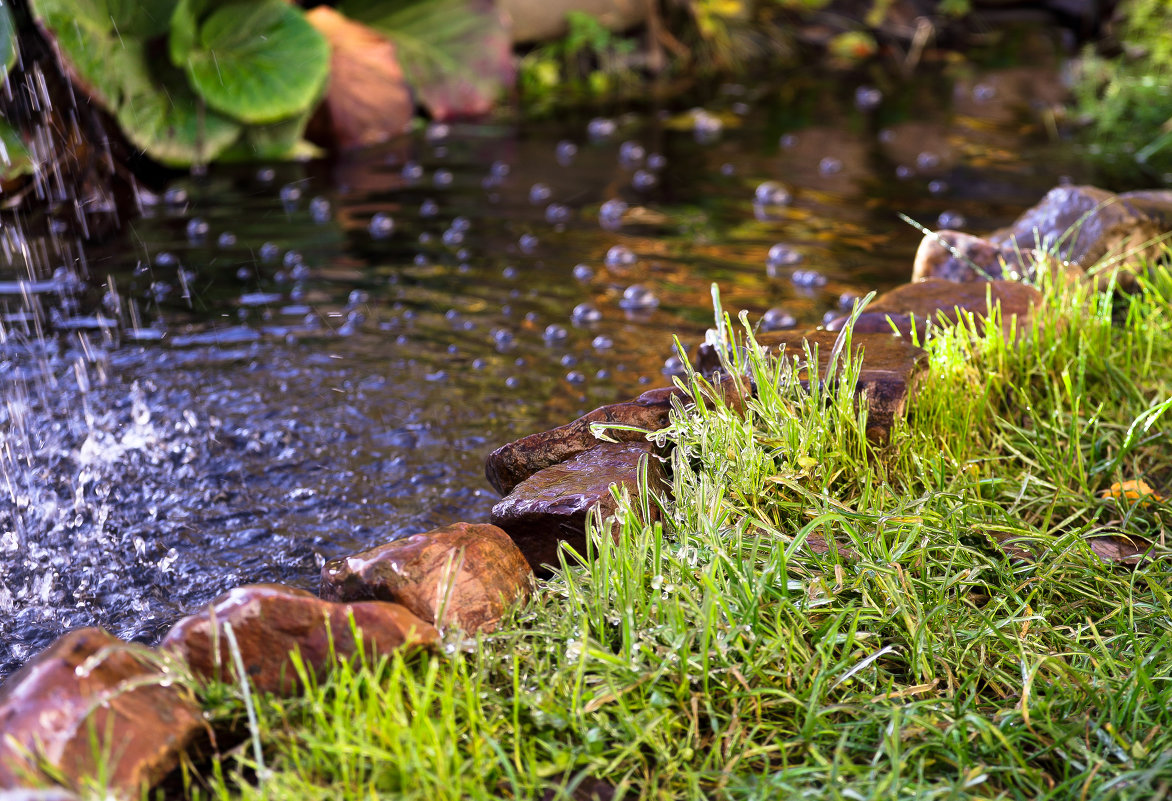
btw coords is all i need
(367, 100)
(1020, 549)
(1134, 490)
(1120, 548)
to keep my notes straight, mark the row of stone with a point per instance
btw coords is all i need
(133, 701)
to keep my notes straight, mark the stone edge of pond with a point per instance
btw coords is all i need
(400, 596)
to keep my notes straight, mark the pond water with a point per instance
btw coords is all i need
(275, 366)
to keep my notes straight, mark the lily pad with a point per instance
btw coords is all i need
(7, 37)
(457, 54)
(258, 62)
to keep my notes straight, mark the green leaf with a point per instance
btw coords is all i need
(280, 140)
(133, 19)
(7, 37)
(456, 53)
(258, 61)
(15, 158)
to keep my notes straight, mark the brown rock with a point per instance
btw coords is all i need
(943, 301)
(269, 621)
(86, 685)
(509, 465)
(471, 573)
(551, 506)
(869, 322)
(542, 20)
(1083, 224)
(954, 256)
(891, 368)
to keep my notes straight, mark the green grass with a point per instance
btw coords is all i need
(719, 655)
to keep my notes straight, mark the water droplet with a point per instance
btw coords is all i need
(290, 196)
(557, 213)
(528, 243)
(568, 360)
(461, 224)
(656, 162)
(631, 153)
(554, 333)
(781, 255)
(904, 172)
(452, 237)
(565, 152)
(266, 175)
(175, 196)
(983, 92)
(638, 297)
(771, 193)
(412, 171)
(539, 193)
(428, 208)
(808, 278)
(674, 365)
(600, 128)
(166, 259)
(443, 178)
(576, 377)
(937, 187)
(269, 252)
(197, 229)
(292, 258)
(585, 314)
(602, 342)
(499, 169)
(226, 239)
(583, 272)
(778, 319)
(381, 225)
(319, 210)
(951, 219)
(927, 160)
(643, 179)
(867, 98)
(436, 132)
(620, 256)
(830, 166)
(787, 141)
(610, 214)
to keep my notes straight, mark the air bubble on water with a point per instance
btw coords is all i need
(583, 272)
(620, 256)
(904, 172)
(643, 179)
(292, 258)
(528, 243)
(502, 337)
(771, 193)
(428, 208)
(175, 196)
(706, 127)
(782, 255)
(777, 319)
(983, 92)
(937, 187)
(927, 160)
(381, 225)
(867, 98)
(266, 175)
(499, 169)
(656, 162)
(509, 272)
(452, 237)
(197, 229)
(787, 141)
(631, 153)
(290, 196)
(610, 214)
(601, 128)
(166, 259)
(511, 382)
(576, 377)
(269, 252)
(460, 224)
(638, 297)
(554, 333)
(226, 239)
(437, 132)
(674, 365)
(443, 178)
(585, 314)
(951, 219)
(830, 166)
(565, 152)
(808, 278)
(557, 213)
(319, 210)
(412, 171)
(539, 193)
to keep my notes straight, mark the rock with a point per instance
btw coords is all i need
(869, 322)
(942, 301)
(543, 20)
(551, 506)
(891, 368)
(86, 685)
(472, 573)
(955, 256)
(1082, 224)
(509, 465)
(270, 621)
(1155, 203)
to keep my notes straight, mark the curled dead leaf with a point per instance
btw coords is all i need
(1122, 549)
(367, 101)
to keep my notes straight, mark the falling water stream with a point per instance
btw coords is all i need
(273, 366)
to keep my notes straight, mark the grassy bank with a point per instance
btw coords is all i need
(817, 615)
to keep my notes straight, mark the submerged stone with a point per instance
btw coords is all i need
(465, 575)
(92, 704)
(551, 506)
(270, 621)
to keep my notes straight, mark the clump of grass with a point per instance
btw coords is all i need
(815, 615)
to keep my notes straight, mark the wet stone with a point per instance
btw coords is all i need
(890, 371)
(1084, 224)
(465, 575)
(509, 465)
(551, 506)
(269, 621)
(89, 684)
(956, 256)
(943, 301)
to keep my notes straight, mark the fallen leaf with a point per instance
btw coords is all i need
(367, 100)
(1021, 549)
(1134, 490)
(1120, 548)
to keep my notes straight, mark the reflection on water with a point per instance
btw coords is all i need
(273, 367)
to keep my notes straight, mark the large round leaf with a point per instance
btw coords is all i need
(7, 37)
(258, 61)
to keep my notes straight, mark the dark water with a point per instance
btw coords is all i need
(254, 378)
